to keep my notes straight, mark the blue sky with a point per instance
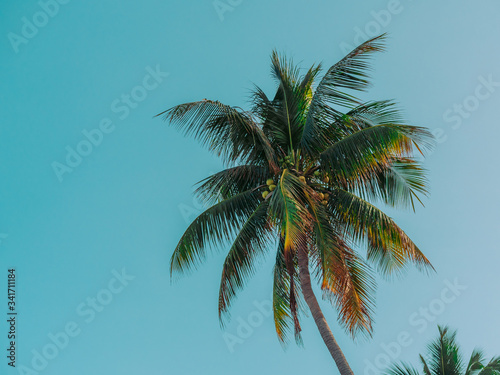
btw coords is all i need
(120, 208)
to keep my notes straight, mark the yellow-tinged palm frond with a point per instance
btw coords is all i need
(388, 246)
(288, 210)
(398, 183)
(358, 157)
(345, 279)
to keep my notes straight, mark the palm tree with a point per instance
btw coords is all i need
(302, 167)
(444, 358)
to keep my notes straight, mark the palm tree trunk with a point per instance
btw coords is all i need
(319, 318)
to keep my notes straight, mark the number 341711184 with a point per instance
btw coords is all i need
(11, 287)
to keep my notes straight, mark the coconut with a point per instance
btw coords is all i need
(265, 194)
(324, 203)
(272, 187)
(317, 173)
(322, 196)
(326, 179)
(326, 196)
(302, 178)
(270, 181)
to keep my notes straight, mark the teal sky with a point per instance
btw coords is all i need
(70, 229)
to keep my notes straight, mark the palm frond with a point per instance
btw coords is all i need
(388, 246)
(348, 73)
(401, 369)
(425, 366)
(363, 116)
(492, 368)
(399, 183)
(230, 133)
(373, 113)
(344, 278)
(475, 362)
(286, 298)
(445, 356)
(358, 157)
(287, 209)
(289, 107)
(231, 181)
(212, 227)
(239, 264)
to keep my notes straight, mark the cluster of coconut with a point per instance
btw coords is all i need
(317, 174)
(271, 186)
(286, 161)
(326, 180)
(324, 198)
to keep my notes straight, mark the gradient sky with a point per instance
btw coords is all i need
(127, 202)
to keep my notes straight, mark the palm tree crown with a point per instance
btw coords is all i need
(444, 358)
(302, 168)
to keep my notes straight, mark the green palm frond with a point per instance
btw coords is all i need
(444, 354)
(230, 133)
(475, 362)
(286, 298)
(289, 106)
(425, 366)
(361, 117)
(371, 114)
(351, 73)
(444, 358)
(348, 73)
(398, 183)
(492, 368)
(231, 181)
(402, 369)
(214, 226)
(250, 243)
